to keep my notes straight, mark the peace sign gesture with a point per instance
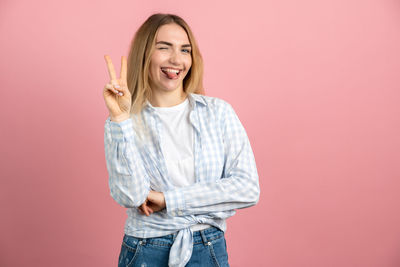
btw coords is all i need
(116, 93)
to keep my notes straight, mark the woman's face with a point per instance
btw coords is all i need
(171, 59)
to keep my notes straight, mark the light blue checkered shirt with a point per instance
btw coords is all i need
(225, 171)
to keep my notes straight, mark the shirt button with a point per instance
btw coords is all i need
(180, 213)
(209, 243)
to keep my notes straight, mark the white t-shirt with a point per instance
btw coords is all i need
(177, 146)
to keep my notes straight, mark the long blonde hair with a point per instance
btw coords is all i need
(142, 47)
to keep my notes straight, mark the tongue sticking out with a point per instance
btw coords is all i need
(171, 75)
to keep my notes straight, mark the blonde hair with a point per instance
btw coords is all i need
(142, 47)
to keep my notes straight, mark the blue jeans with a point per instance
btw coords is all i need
(209, 249)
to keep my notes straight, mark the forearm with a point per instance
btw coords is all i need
(239, 189)
(239, 185)
(128, 181)
(201, 198)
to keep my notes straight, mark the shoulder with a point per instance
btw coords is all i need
(215, 109)
(211, 102)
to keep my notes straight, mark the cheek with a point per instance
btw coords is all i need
(188, 63)
(154, 61)
(154, 76)
(151, 72)
(153, 69)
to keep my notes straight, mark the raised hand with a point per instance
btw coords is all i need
(116, 93)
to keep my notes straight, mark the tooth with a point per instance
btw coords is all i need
(171, 70)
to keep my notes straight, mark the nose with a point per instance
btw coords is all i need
(175, 58)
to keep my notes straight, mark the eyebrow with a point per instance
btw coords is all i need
(169, 44)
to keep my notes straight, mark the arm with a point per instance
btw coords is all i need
(239, 186)
(128, 180)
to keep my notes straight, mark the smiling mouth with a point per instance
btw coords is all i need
(171, 73)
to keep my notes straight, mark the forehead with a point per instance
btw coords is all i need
(172, 33)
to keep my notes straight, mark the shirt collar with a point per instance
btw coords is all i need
(193, 99)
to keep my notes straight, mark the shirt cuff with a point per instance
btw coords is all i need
(175, 202)
(120, 131)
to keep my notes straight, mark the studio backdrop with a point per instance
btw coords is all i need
(316, 85)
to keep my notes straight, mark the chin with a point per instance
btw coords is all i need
(170, 87)
(167, 86)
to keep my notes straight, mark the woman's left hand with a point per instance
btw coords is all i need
(155, 201)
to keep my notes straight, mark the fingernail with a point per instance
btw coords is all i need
(117, 86)
(120, 93)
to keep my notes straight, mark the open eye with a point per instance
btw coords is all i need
(186, 51)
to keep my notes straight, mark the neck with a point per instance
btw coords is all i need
(167, 99)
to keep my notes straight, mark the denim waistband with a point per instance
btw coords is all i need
(202, 236)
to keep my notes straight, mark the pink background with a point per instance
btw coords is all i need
(315, 83)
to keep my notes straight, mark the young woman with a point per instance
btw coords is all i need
(179, 161)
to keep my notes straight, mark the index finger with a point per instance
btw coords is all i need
(110, 67)
(124, 67)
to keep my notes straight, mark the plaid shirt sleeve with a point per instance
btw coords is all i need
(239, 186)
(128, 181)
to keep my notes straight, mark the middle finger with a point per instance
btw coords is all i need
(124, 67)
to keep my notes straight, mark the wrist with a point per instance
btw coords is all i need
(120, 118)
